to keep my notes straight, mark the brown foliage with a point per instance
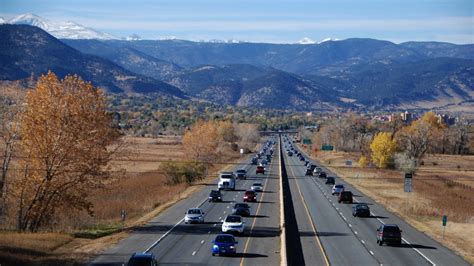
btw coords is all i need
(64, 134)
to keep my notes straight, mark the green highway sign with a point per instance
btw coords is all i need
(327, 148)
(307, 141)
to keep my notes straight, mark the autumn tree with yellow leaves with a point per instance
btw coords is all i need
(64, 134)
(383, 148)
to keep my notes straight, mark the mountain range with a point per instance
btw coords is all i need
(352, 73)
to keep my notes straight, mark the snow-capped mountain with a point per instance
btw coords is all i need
(306, 40)
(61, 30)
(328, 40)
(2, 20)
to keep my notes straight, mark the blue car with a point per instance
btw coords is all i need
(224, 244)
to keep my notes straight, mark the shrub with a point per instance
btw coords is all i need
(179, 172)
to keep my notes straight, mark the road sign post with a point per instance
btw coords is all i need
(123, 215)
(445, 221)
(408, 182)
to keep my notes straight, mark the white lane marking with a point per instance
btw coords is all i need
(371, 252)
(355, 232)
(224, 212)
(220, 218)
(350, 225)
(194, 253)
(163, 236)
(215, 224)
(363, 242)
(202, 241)
(227, 207)
(337, 208)
(419, 252)
(209, 232)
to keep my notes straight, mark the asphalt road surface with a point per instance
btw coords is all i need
(176, 243)
(349, 240)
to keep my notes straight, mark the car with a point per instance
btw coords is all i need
(345, 197)
(312, 166)
(215, 195)
(254, 161)
(224, 244)
(330, 180)
(290, 153)
(317, 170)
(250, 196)
(361, 210)
(241, 174)
(302, 158)
(306, 163)
(260, 170)
(322, 175)
(308, 172)
(194, 215)
(264, 162)
(336, 189)
(390, 234)
(233, 224)
(257, 186)
(139, 259)
(242, 209)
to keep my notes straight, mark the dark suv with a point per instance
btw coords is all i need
(361, 210)
(390, 234)
(308, 172)
(345, 197)
(139, 259)
(215, 195)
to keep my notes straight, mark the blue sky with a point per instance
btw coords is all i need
(278, 21)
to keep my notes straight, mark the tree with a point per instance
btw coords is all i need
(383, 148)
(416, 138)
(362, 161)
(9, 111)
(201, 142)
(65, 133)
(248, 135)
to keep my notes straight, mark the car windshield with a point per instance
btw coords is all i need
(241, 205)
(226, 176)
(224, 239)
(248, 193)
(391, 229)
(257, 184)
(140, 261)
(215, 192)
(194, 211)
(363, 206)
(233, 219)
(241, 171)
(260, 167)
(339, 186)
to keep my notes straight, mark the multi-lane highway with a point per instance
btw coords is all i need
(326, 232)
(349, 240)
(173, 242)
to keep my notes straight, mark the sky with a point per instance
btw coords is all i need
(274, 21)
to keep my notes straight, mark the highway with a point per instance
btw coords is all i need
(348, 240)
(176, 243)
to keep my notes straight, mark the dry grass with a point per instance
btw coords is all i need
(440, 187)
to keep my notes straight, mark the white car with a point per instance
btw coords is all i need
(317, 170)
(233, 224)
(194, 215)
(336, 189)
(256, 187)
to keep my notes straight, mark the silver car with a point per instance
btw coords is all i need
(194, 215)
(256, 187)
(336, 189)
